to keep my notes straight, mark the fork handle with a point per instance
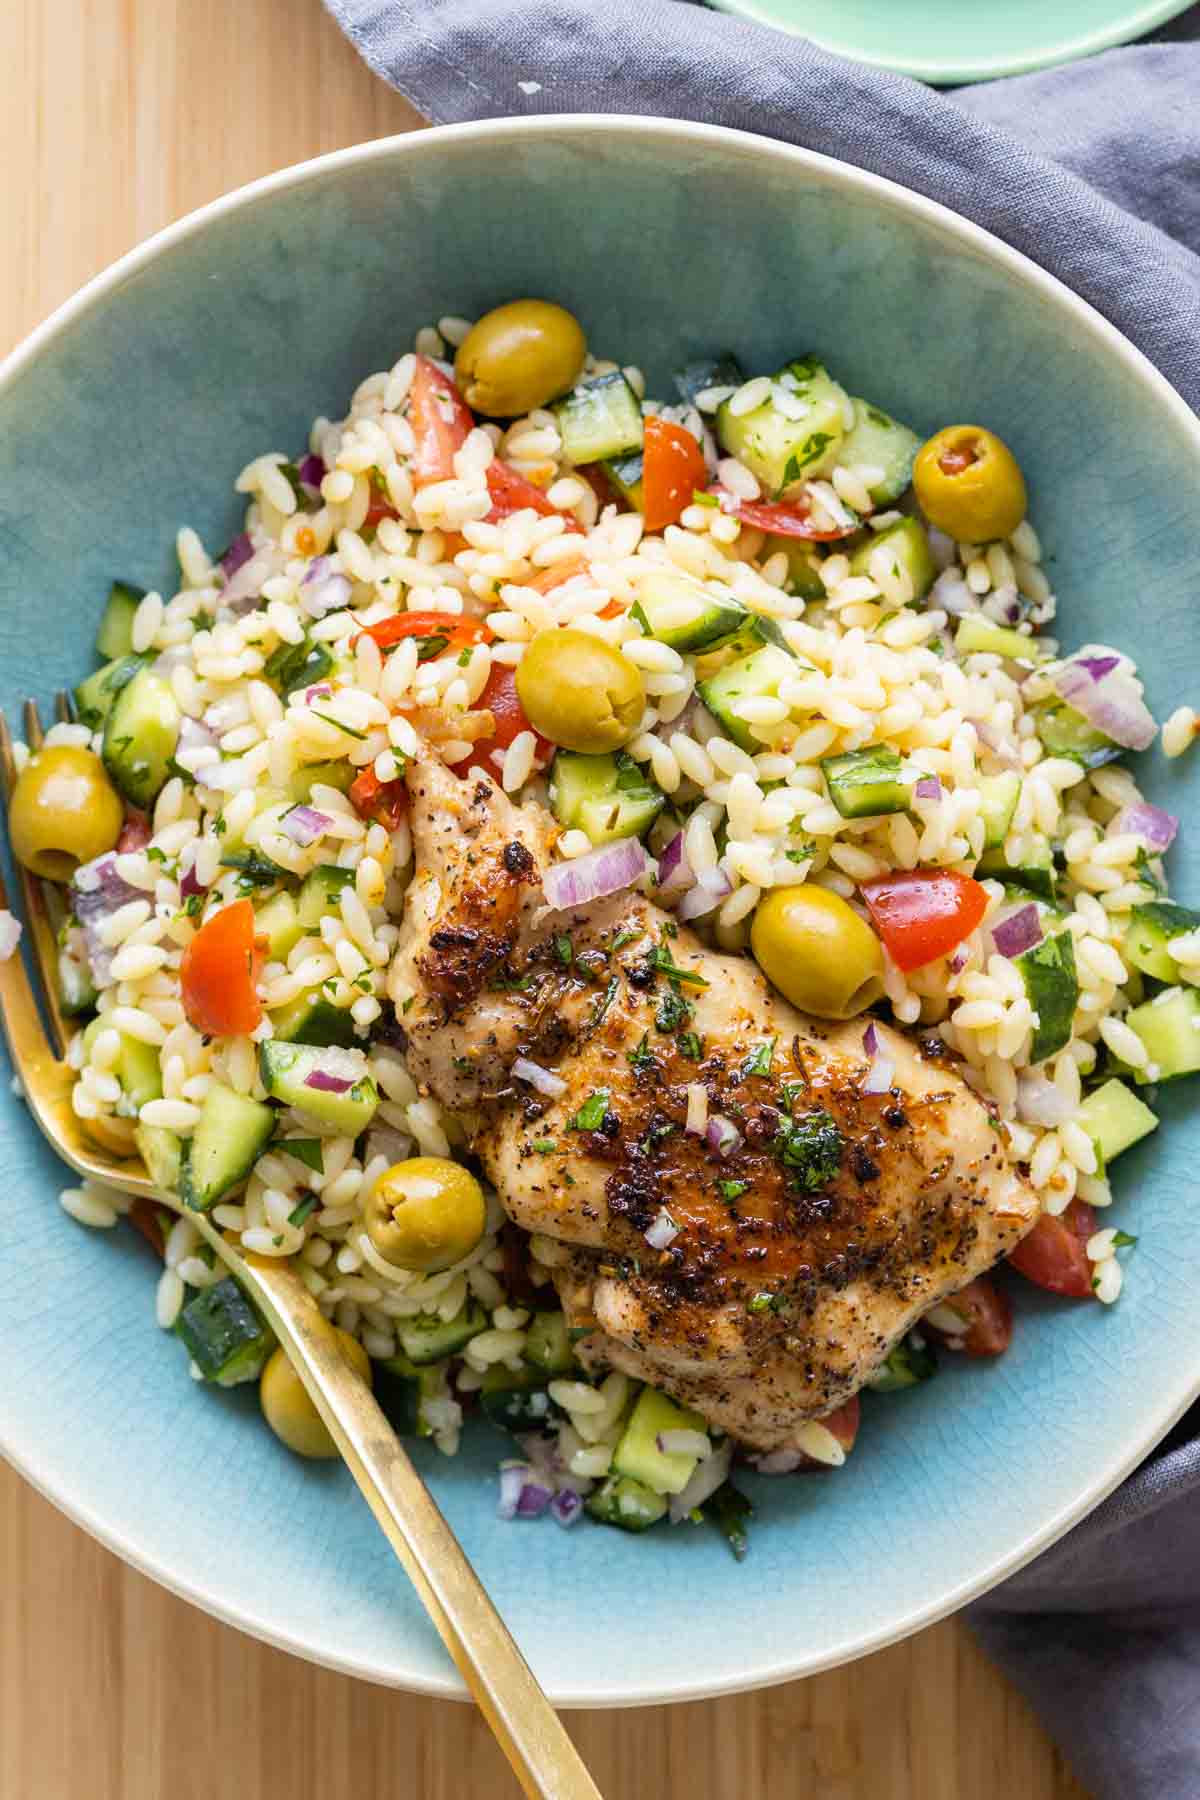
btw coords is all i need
(525, 1725)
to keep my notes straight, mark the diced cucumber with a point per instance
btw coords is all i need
(784, 452)
(624, 1502)
(705, 373)
(998, 796)
(548, 1344)
(1037, 873)
(608, 797)
(906, 546)
(115, 636)
(136, 1068)
(312, 1019)
(877, 441)
(140, 735)
(279, 922)
(516, 1403)
(863, 783)
(324, 774)
(748, 678)
(1052, 989)
(320, 892)
(637, 1453)
(1065, 732)
(429, 1340)
(401, 1387)
(979, 634)
(907, 1365)
(76, 990)
(225, 1334)
(94, 697)
(310, 1078)
(625, 474)
(1151, 928)
(804, 566)
(294, 666)
(232, 1133)
(1169, 1026)
(677, 610)
(1114, 1118)
(160, 1151)
(599, 420)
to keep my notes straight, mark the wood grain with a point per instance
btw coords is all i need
(116, 117)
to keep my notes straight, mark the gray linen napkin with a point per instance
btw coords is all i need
(1093, 170)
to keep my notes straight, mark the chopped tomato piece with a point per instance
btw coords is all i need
(457, 629)
(986, 1311)
(673, 468)
(1054, 1255)
(500, 698)
(135, 832)
(784, 518)
(144, 1216)
(384, 802)
(219, 974)
(601, 486)
(844, 1425)
(440, 420)
(377, 512)
(922, 914)
(511, 492)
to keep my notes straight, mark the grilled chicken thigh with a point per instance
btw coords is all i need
(814, 1222)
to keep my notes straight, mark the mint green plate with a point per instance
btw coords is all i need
(948, 41)
(132, 410)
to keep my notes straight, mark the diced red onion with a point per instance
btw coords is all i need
(135, 832)
(958, 961)
(325, 596)
(304, 825)
(871, 1039)
(194, 734)
(709, 889)
(708, 1476)
(326, 1083)
(10, 934)
(722, 1135)
(595, 875)
(663, 1231)
(243, 591)
(928, 788)
(1156, 828)
(1109, 698)
(512, 1481)
(566, 1507)
(950, 594)
(882, 1072)
(1041, 1102)
(674, 870)
(238, 553)
(543, 1080)
(97, 891)
(1017, 931)
(533, 1501)
(322, 691)
(311, 471)
(188, 884)
(994, 741)
(684, 1442)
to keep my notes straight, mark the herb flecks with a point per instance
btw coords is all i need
(590, 1116)
(810, 1149)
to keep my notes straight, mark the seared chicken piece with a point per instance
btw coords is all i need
(814, 1223)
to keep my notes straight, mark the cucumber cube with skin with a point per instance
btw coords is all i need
(1151, 928)
(1169, 1026)
(224, 1334)
(747, 678)
(794, 435)
(1052, 988)
(625, 1503)
(606, 796)
(879, 442)
(331, 1085)
(998, 796)
(676, 609)
(115, 636)
(864, 783)
(979, 634)
(904, 548)
(638, 1454)
(140, 735)
(1115, 1118)
(599, 420)
(232, 1133)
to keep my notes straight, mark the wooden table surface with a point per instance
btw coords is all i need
(116, 116)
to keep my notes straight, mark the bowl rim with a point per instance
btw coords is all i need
(850, 179)
(1122, 29)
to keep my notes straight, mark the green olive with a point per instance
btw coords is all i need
(64, 812)
(969, 484)
(519, 356)
(817, 951)
(579, 691)
(426, 1214)
(286, 1405)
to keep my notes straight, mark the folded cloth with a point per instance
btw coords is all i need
(1093, 170)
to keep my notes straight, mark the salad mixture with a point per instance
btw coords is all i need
(769, 682)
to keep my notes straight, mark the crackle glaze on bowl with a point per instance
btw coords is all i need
(133, 409)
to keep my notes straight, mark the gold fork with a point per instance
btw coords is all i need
(524, 1723)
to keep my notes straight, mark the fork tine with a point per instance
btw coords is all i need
(64, 707)
(40, 920)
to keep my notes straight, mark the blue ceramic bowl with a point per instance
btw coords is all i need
(132, 411)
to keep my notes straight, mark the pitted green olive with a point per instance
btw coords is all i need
(579, 691)
(519, 356)
(286, 1405)
(64, 811)
(968, 483)
(815, 949)
(426, 1214)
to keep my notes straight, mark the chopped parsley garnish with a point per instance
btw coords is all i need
(628, 936)
(810, 1149)
(759, 1060)
(338, 725)
(699, 498)
(600, 1010)
(662, 1129)
(309, 1151)
(760, 1303)
(730, 1511)
(731, 1189)
(641, 1057)
(429, 647)
(154, 854)
(1146, 875)
(691, 1045)
(299, 1213)
(544, 1146)
(673, 1011)
(661, 959)
(193, 906)
(791, 472)
(563, 949)
(1123, 1241)
(590, 1116)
